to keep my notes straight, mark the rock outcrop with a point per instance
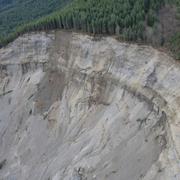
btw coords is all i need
(76, 108)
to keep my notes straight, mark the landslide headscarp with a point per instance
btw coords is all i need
(75, 108)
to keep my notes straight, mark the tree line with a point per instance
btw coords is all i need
(125, 18)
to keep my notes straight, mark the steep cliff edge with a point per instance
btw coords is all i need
(73, 107)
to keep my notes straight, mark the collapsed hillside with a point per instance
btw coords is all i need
(74, 107)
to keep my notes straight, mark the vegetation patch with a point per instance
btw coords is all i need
(174, 45)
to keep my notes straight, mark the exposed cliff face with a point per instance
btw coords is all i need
(75, 108)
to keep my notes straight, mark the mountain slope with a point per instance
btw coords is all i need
(16, 12)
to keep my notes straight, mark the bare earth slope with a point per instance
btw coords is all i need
(73, 108)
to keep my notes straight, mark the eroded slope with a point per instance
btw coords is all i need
(75, 108)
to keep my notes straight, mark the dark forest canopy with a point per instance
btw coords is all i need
(128, 19)
(17, 12)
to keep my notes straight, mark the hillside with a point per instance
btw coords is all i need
(84, 95)
(16, 12)
(130, 20)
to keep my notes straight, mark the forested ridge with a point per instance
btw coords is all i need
(128, 19)
(14, 13)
